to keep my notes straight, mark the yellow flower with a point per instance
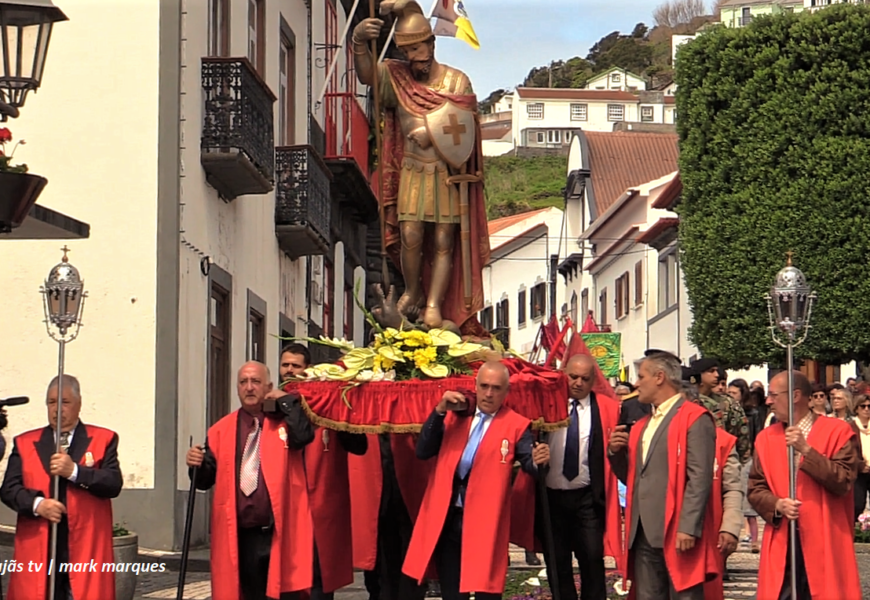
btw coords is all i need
(425, 356)
(435, 371)
(391, 353)
(463, 349)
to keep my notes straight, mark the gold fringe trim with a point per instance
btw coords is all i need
(537, 424)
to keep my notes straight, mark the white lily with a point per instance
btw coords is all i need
(435, 371)
(443, 337)
(342, 344)
(463, 349)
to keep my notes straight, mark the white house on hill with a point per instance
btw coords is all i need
(617, 78)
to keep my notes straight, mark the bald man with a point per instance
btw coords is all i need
(464, 521)
(262, 541)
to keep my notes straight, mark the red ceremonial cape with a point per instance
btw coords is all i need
(825, 523)
(420, 100)
(329, 497)
(486, 519)
(725, 442)
(686, 569)
(90, 527)
(523, 497)
(291, 561)
(366, 482)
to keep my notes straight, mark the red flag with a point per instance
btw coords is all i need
(589, 325)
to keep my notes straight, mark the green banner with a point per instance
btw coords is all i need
(606, 349)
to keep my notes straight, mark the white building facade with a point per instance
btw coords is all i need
(206, 245)
(616, 78)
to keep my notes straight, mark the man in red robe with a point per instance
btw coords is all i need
(666, 462)
(261, 532)
(827, 468)
(89, 478)
(464, 521)
(328, 489)
(421, 199)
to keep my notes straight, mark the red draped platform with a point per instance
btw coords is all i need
(537, 393)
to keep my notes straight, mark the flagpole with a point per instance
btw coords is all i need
(393, 31)
(334, 63)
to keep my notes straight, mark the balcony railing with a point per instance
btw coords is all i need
(237, 130)
(302, 202)
(347, 130)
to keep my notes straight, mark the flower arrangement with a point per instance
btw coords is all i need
(862, 528)
(398, 355)
(6, 165)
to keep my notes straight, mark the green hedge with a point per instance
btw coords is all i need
(774, 125)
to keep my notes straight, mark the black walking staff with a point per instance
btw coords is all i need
(188, 523)
(547, 524)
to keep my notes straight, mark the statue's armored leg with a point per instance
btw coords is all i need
(412, 260)
(445, 234)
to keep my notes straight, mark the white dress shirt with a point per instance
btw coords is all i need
(555, 479)
(72, 478)
(476, 420)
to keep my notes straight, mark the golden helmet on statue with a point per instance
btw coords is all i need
(412, 26)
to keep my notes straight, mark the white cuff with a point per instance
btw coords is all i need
(36, 502)
(75, 473)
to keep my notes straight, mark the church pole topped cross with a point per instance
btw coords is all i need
(65, 250)
(455, 129)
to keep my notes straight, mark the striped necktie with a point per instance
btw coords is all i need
(250, 470)
(64, 441)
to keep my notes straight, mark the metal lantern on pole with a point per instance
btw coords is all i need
(25, 31)
(64, 297)
(790, 307)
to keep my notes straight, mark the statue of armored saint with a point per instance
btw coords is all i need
(431, 167)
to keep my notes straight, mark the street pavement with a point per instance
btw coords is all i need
(742, 565)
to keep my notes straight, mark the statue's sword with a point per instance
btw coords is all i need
(462, 180)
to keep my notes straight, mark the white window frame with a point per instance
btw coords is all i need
(554, 136)
(579, 112)
(612, 112)
(540, 137)
(535, 111)
(616, 78)
(647, 114)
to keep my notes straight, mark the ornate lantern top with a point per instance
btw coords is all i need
(64, 298)
(790, 301)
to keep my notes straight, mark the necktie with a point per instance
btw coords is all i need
(251, 461)
(64, 440)
(471, 447)
(571, 464)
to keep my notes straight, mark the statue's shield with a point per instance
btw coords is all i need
(451, 130)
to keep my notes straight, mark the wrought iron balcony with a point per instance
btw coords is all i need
(302, 202)
(347, 154)
(238, 147)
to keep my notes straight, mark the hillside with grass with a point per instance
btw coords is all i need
(515, 185)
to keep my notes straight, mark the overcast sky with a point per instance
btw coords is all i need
(517, 35)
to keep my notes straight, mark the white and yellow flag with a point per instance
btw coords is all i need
(451, 20)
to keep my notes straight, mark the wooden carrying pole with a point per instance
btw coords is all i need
(379, 142)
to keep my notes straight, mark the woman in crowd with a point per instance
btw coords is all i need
(841, 403)
(819, 400)
(861, 425)
(754, 406)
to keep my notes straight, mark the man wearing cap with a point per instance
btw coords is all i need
(726, 412)
(432, 162)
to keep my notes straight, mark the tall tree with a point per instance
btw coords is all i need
(774, 156)
(672, 13)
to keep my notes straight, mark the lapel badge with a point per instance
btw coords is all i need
(89, 459)
(715, 468)
(325, 440)
(282, 433)
(505, 448)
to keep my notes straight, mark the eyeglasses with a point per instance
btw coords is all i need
(864, 406)
(819, 395)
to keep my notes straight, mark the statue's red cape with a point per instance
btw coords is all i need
(420, 100)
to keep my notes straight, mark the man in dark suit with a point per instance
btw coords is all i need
(575, 487)
(671, 450)
(89, 478)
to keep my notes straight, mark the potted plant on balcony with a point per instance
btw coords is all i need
(18, 188)
(126, 552)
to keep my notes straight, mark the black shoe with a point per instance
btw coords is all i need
(434, 590)
(532, 559)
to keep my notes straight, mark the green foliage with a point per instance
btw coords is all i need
(514, 185)
(774, 125)
(485, 105)
(118, 530)
(571, 73)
